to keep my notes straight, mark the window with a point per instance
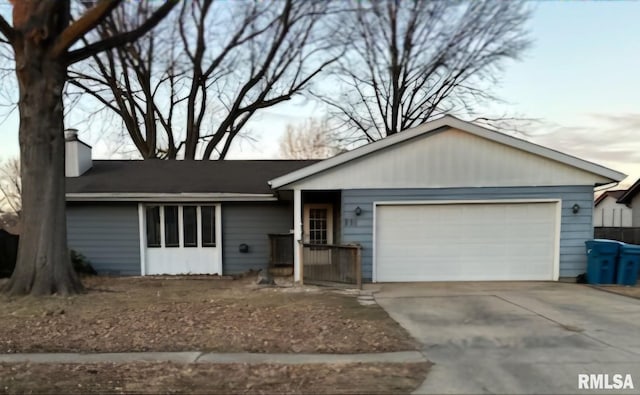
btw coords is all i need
(318, 226)
(208, 226)
(153, 226)
(190, 226)
(181, 226)
(171, 238)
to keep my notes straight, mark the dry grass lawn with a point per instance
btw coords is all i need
(204, 314)
(168, 378)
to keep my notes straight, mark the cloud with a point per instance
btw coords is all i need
(612, 140)
(608, 137)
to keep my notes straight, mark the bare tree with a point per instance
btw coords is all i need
(409, 61)
(314, 139)
(190, 88)
(10, 187)
(46, 38)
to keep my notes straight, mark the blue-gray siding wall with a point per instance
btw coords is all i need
(250, 223)
(107, 235)
(575, 228)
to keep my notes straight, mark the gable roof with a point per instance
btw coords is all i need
(630, 193)
(128, 179)
(615, 194)
(433, 127)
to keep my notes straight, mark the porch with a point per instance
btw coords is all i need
(320, 255)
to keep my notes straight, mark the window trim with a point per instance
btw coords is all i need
(306, 221)
(215, 212)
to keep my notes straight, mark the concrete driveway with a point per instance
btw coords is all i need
(516, 338)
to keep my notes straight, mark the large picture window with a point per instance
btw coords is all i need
(208, 226)
(181, 226)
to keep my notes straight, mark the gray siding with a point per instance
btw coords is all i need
(575, 228)
(107, 235)
(250, 223)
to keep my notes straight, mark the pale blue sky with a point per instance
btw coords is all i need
(581, 80)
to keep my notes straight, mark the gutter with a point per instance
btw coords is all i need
(169, 197)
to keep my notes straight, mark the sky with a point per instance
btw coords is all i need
(580, 83)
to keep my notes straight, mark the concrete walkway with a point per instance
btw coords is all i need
(217, 358)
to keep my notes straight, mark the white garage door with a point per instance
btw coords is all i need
(466, 242)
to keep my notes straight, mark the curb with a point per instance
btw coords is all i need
(216, 358)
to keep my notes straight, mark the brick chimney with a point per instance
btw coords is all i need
(77, 154)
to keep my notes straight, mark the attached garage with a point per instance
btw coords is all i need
(453, 201)
(467, 241)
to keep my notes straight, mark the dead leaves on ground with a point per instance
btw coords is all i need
(146, 377)
(140, 314)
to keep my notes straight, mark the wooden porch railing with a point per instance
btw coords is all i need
(329, 263)
(281, 250)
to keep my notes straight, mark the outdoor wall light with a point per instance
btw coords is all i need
(575, 208)
(358, 210)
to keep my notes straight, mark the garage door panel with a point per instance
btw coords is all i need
(460, 242)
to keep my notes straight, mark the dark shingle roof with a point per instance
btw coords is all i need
(172, 176)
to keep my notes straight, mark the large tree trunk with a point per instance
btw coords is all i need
(44, 266)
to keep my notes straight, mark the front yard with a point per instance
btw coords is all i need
(168, 378)
(203, 314)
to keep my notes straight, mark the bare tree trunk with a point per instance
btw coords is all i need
(41, 37)
(44, 266)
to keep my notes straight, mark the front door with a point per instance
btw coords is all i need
(318, 230)
(318, 224)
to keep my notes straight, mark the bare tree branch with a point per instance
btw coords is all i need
(314, 139)
(6, 30)
(122, 38)
(212, 68)
(408, 61)
(77, 29)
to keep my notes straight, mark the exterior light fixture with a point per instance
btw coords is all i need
(575, 208)
(358, 210)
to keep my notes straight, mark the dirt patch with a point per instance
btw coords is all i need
(168, 378)
(205, 314)
(633, 292)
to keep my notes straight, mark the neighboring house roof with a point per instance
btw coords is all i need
(615, 194)
(432, 128)
(630, 193)
(137, 179)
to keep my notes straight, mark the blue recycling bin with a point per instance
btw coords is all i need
(602, 257)
(628, 264)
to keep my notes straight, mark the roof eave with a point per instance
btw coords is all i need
(452, 122)
(630, 194)
(169, 197)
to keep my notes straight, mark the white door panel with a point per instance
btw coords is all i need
(466, 242)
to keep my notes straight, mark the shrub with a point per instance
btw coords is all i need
(81, 264)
